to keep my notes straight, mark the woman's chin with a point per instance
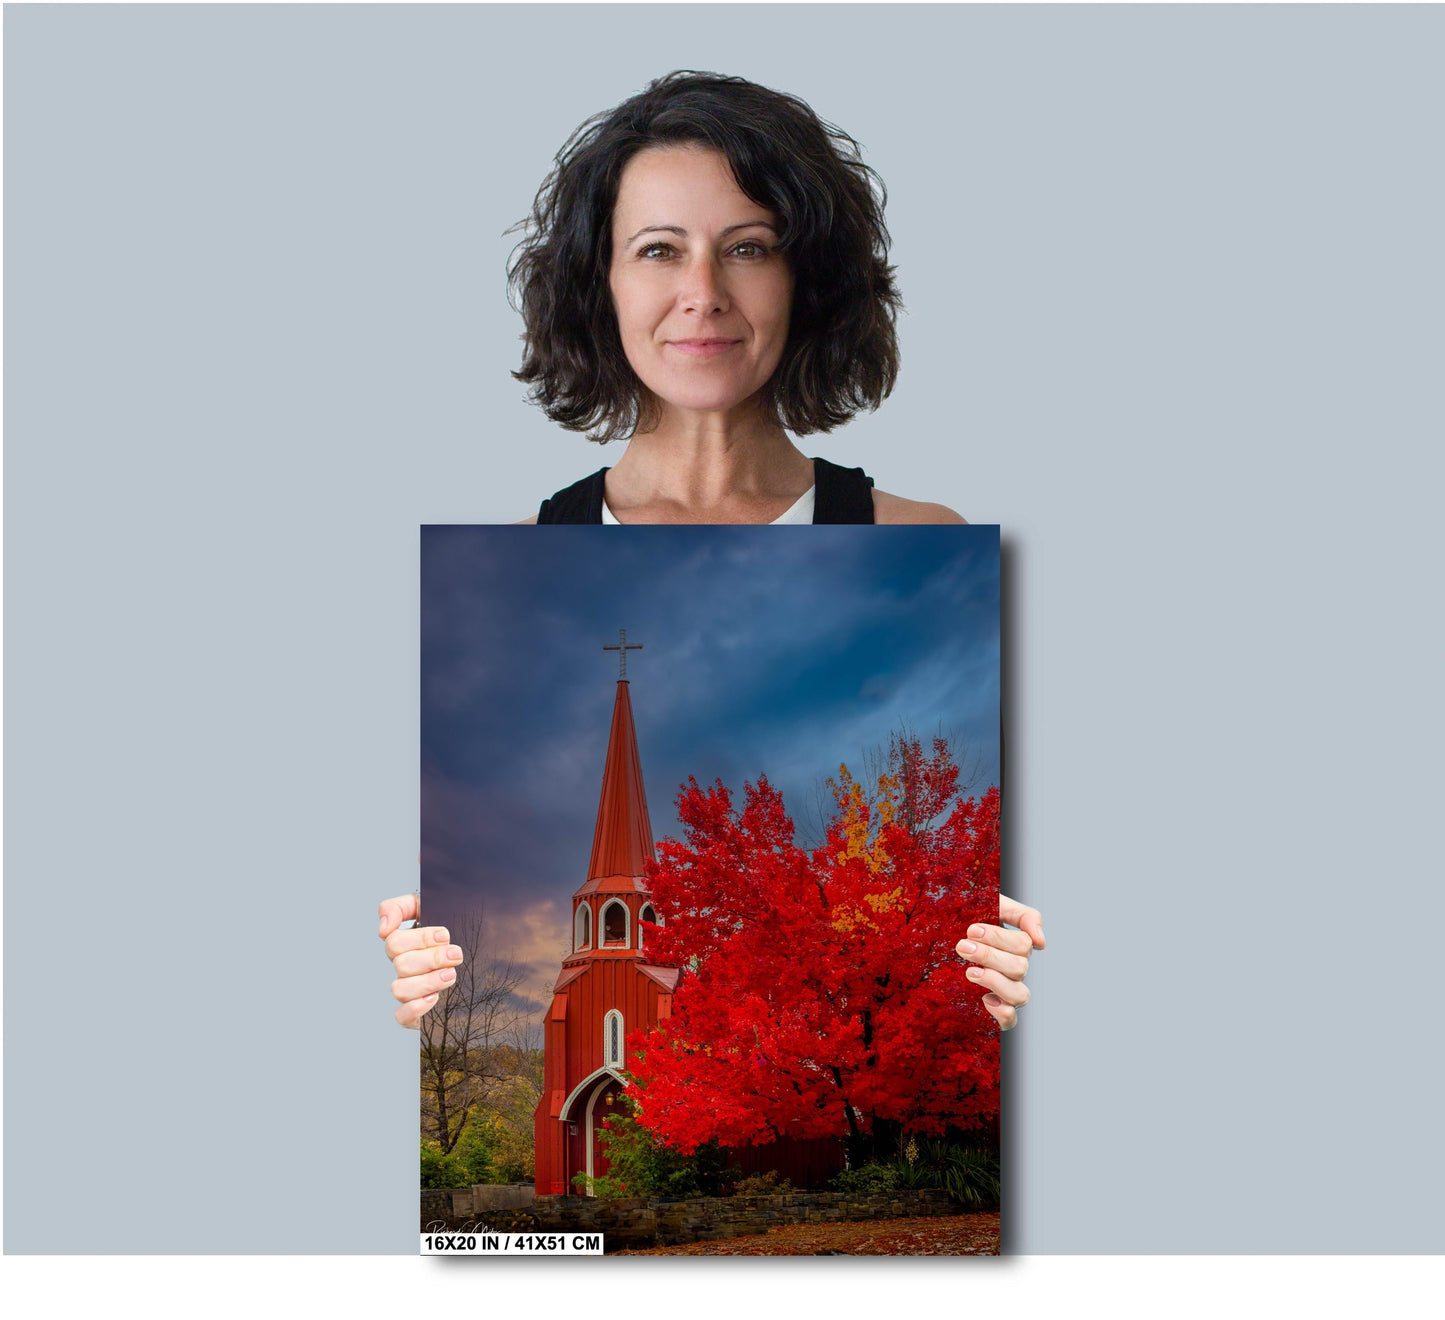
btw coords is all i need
(708, 402)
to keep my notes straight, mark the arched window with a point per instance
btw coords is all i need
(612, 1033)
(614, 923)
(648, 913)
(582, 927)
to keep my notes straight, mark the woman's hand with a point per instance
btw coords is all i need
(424, 960)
(1000, 957)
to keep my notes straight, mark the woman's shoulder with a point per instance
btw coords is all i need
(581, 502)
(895, 509)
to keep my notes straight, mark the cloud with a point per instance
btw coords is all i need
(541, 932)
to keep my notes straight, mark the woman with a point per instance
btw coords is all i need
(704, 271)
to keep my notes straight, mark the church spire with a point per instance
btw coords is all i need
(622, 842)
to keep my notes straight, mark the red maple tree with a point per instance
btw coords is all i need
(821, 994)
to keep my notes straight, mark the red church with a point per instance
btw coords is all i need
(608, 988)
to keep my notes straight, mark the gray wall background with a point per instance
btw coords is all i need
(1174, 282)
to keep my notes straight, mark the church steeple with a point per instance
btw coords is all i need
(611, 904)
(622, 841)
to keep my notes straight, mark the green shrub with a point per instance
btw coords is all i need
(970, 1174)
(762, 1184)
(913, 1175)
(639, 1165)
(865, 1179)
(475, 1148)
(438, 1170)
(605, 1186)
(972, 1177)
(478, 1156)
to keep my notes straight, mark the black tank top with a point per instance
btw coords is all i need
(840, 495)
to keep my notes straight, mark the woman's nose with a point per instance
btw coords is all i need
(703, 289)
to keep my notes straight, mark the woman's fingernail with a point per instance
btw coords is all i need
(440, 935)
(974, 973)
(977, 932)
(967, 946)
(448, 976)
(454, 953)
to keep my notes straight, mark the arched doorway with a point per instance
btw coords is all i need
(590, 1102)
(602, 1101)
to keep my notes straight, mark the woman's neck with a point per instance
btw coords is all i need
(708, 469)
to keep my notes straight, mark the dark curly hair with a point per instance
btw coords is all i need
(842, 350)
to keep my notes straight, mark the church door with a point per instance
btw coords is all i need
(603, 1101)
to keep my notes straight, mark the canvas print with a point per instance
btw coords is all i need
(707, 810)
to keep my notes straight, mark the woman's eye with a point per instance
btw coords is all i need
(748, 248)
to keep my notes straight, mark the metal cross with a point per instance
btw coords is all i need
(622, 648)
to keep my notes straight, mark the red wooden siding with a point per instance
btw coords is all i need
(804, 1163)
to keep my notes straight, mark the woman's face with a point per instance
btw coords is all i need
(702, 297)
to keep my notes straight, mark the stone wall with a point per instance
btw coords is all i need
(502, 1196)
(666, 1222)
(458, 1203)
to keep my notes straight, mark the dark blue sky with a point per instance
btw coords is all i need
(777, 650)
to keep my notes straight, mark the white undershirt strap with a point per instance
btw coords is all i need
(800, 512)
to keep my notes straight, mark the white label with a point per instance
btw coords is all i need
(449, 1243)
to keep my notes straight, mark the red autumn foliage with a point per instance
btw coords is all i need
(821, 994)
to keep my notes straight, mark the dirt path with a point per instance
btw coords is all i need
(951, 1235)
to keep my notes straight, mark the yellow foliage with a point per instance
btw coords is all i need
(848, 920)
(856, 826)
(856, 831)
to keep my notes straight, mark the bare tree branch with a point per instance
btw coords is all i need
(461, 1038)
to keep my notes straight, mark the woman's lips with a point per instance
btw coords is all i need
(703, 347)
